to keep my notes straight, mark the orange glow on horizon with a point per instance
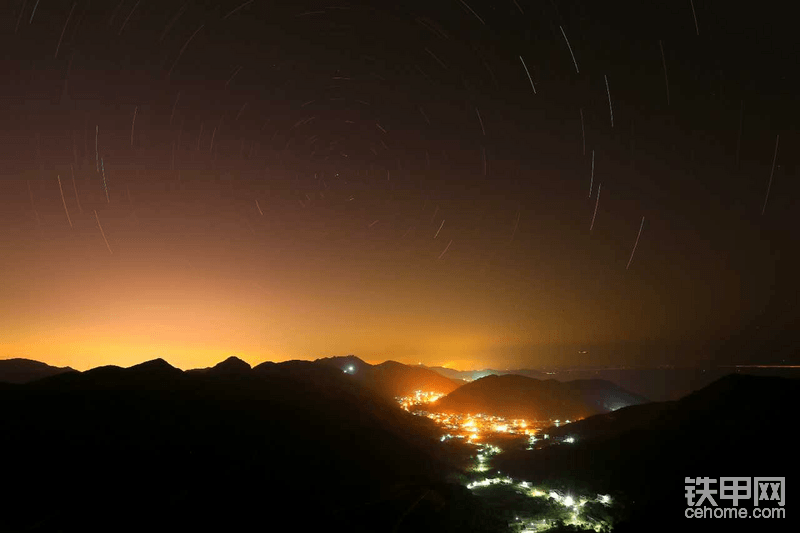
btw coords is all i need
(197, 318)
(176, 301)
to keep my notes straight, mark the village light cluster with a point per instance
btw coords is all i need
(476, 429)
(418, 398)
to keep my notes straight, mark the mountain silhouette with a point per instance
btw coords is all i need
(391, 379)
(27, 370)
(232, 366)
(656, 383)
(472, 375)
(733, 427)
(153, 447)
(521, 397)
(154, 368)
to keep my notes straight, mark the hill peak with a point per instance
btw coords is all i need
(515, 396)
(231, 365)
(395, 364)
(348, 363)
(154, 365)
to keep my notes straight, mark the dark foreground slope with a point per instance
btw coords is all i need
(514, 396)
(737, 426)
(292, 446)
(27, 370)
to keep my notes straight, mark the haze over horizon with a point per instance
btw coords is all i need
(513, 185)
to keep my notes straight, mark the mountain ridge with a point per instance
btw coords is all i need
(208, 450)
(724, 429)
(391, 379)
(21, 370)
(521, 397)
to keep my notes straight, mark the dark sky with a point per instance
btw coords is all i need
(292, 180)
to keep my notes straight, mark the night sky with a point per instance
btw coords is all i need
(467, 183)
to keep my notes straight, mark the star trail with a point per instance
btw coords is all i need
(401, 181)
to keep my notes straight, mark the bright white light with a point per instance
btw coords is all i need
(568, 501)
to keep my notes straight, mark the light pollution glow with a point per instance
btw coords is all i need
(196, 303)
(276, 196)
